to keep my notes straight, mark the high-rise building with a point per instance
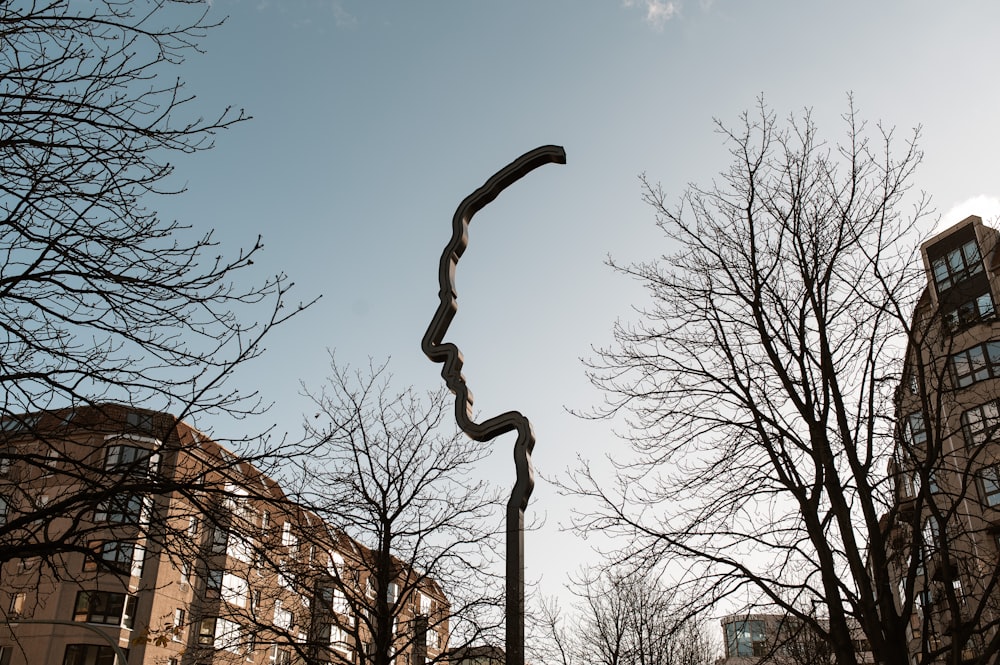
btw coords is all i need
(123, 528)
(944, 521)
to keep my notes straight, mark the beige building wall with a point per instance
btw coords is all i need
(253, 559)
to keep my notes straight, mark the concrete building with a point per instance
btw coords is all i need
(166, 545)
(944, 519)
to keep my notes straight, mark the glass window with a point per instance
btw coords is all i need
(971, 311)
(340, 640)
(143, 421)
(745, 638)
(957, 265)
(180, 617)
(121, 509)
(914, 430)
(104, 607)
(3, 510)
(240, 547)
(228, 635)
(113, 554)
(213, 582)
(206, 631)
(234, 590)
(990, 476)
(980, 423)
(89, 654)
(137, 461)
(280, 656)
(282, 617)
(979, 363)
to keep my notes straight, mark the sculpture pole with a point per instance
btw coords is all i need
(437, 350)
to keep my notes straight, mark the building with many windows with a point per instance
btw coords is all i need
(121, 527)
(944, 521)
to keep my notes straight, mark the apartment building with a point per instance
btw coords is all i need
(750, 639)
(126, 529)
(944, 522)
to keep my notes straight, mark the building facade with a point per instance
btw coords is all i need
(944, 520)
(125, 527)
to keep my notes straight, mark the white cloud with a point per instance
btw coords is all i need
(983, 205)
(658, 12)
(342, 17)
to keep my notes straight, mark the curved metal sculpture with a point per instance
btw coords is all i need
(449, 354)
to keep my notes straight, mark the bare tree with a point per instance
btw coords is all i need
(760, 390)
(622, 617)
(389, 476)
(115, 321)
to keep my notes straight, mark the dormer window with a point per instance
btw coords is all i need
(957, 265)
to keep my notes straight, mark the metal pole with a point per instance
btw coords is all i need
(119, 653)
(450, 356)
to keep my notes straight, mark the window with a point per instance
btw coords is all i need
(206, 631)
(957, 265)
(265, 521)
(335, 564)
(288, 539)
(113, 554)
(282, 617)
(745, 638)
(213, 582)
(971, 311)
(239, 547)
(220, 538)
(221, 634)
(89, 654)
(19, 424)
(50, 465)
(990, 476)
(425, 604)
(143, 421)
(3, 510)
(17, 603)
(5, 456)
(104, 607)
(393, 593)
(340, 640)
(132, 459)
(228, 635)
(433, 640)
(979, 363)
(980, 423)
(340, 604)
(121, 509)
(234, 590)
(179, 623)
(914, 430)
(286, 580)
(281, 656)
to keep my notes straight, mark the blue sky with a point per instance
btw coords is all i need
(372, 120)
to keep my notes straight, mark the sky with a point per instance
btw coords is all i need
(373, 119)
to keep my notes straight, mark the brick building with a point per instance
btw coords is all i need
(127, 527)
(944, 520)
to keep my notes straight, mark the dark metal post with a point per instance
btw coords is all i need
(437, 350)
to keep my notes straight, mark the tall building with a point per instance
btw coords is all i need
(944, 521)
(121, 527)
